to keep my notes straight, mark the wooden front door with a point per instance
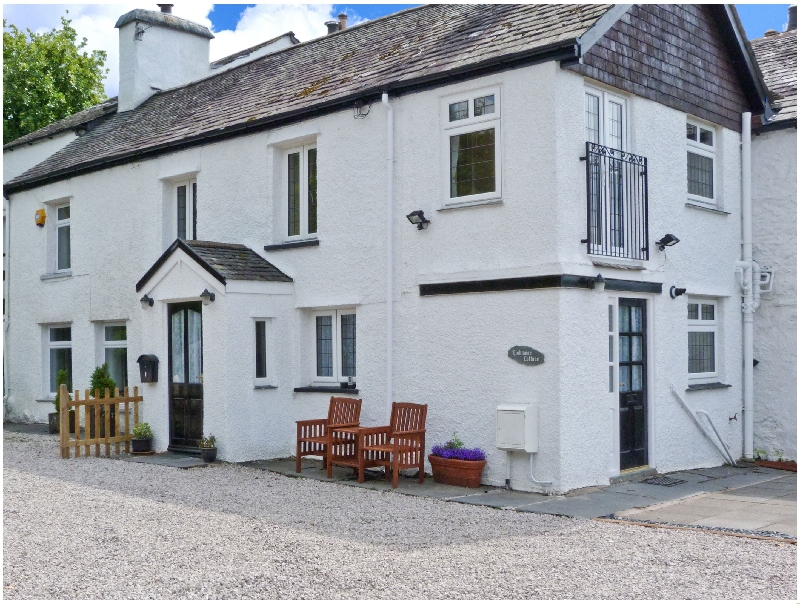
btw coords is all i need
(185, 376)
(632, 384)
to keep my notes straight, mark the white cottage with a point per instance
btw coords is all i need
(575, 189)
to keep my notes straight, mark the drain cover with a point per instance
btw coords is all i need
(664, 481)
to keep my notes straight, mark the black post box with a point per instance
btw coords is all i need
(148, 367)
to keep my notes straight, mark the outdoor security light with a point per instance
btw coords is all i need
(418, 217)
(146, 302)
(674, 292)
(207, 297)
(598, 283)
(667, 240)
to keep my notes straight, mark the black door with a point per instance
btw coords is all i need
(632, 384)
(185, 376)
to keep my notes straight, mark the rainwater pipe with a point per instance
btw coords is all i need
(539, 483)
(749, 283)
(389, 249)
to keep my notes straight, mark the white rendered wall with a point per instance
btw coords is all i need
(23, 158)
(775, 246)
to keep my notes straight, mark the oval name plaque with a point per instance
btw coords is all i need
(525, 355)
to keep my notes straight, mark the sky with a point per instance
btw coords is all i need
(239, 26)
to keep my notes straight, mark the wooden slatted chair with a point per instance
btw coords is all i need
(398, 446)
(314, 435)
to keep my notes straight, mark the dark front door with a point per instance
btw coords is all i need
(185, 376)
(632, 384)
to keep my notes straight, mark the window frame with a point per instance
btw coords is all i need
(59, 224)
(265, 380)
(607, 97)
(337, 376)
(303, 233)
(704, 150)
(701, 325)
(191, 208)
(107, 344)
(57, 345)
(465, 126)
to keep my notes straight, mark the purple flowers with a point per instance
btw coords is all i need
(448, 452)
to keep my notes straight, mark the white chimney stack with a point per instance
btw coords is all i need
(157, 51)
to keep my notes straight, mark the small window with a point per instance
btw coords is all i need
(335, 345)
(63, 251)
(472, 139)
(115, 353)
(700, 156)
(702, 317)
(186, 210)
(59, 356)
(300, 172)
(261, 350)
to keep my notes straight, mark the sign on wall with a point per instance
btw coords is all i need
(525, 355)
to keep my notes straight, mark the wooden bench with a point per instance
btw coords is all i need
(316, 436)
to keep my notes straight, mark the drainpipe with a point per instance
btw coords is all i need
(7, 293)
(389, 248)
(748, 306)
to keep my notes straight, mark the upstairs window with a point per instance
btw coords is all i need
(700, 155)
(300, 191)
(63, 247)
(472, 140)
(186, 210)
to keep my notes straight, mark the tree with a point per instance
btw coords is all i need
(47, 77)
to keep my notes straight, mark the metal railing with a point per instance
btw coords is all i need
(616, 203)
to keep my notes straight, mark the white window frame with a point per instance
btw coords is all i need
(710, 151)
(303, 234)
(265, 380)
(59, 224)
(106, 344)
(52, 346)
(472, 124)
(700, 325)
(337, 344)
(606, 98)
(190, 208)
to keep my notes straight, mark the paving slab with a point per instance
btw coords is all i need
(171, 460)
(594, 505)
(503, 499)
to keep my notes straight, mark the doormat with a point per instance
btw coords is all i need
(664, 481)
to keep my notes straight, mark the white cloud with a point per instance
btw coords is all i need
(96, 22)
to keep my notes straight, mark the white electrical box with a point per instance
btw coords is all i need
(518, 428)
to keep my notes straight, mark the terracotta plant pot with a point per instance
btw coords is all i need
(457, 472)
(209, 454)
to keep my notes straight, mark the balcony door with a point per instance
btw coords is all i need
(185, 376)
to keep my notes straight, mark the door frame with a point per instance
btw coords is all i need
(650, 365)
(171, 308)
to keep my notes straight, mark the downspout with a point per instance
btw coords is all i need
(748, 307)
(389, 249)
(6, 295)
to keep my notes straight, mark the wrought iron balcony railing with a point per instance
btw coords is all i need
(616, 203)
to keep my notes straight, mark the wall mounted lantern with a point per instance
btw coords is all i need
(667, 240)
(418, 217)
(146, 302)
(598, 283)
(674, 292)
(361, 109)
(207, 297)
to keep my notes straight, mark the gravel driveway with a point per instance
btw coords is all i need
(102, 529)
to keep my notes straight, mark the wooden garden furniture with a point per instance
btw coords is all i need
(316, 436)
(398, 446)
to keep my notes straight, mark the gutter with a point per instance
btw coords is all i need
(567, 49)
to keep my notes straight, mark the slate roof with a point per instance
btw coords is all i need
(777, 57)
(252, 49)
(89, 114)
(419, 45)
(225, 261)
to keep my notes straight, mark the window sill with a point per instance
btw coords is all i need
(709, 386)
(697, 206)
(331, 389)
(46, 400)
(264, 387)
(55, 276)
(614, 262)
(470, 204)
(291, 245)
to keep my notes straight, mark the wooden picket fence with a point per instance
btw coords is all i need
(92, 408)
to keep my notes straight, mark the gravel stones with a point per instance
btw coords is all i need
(105, 529)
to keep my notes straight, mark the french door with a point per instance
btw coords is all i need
(632, 383)
(185, 376)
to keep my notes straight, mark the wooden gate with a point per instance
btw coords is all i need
(97, 421)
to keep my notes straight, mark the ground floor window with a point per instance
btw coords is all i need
(335, 345)
(703, 336)
(263, 368)
(59, 355)
(115, 353)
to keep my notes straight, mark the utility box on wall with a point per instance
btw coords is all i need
(148, 368)
(517, 428)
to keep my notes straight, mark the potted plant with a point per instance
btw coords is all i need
(100, 381)
(454, 464)
(142, 441)
(54, 419)
(208, 448)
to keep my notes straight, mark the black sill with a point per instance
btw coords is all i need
(697, 206)
(291, 245)
(711, 386)
(331, 389)
(265, 387)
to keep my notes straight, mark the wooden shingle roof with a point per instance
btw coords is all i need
(777, 57)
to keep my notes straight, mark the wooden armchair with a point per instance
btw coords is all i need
(314, 435)
(398, 446)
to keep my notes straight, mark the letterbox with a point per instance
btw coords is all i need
(148, 367)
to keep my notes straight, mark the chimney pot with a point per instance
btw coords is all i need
(792, 18)
(342, 21)
(165, 8)
(333, 26)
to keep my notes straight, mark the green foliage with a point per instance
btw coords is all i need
(779, 454)
(143, 430)
(454, 443)
(208, 443)
(101, 379)
(760, 453)
(61, 378)
(47, 77)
